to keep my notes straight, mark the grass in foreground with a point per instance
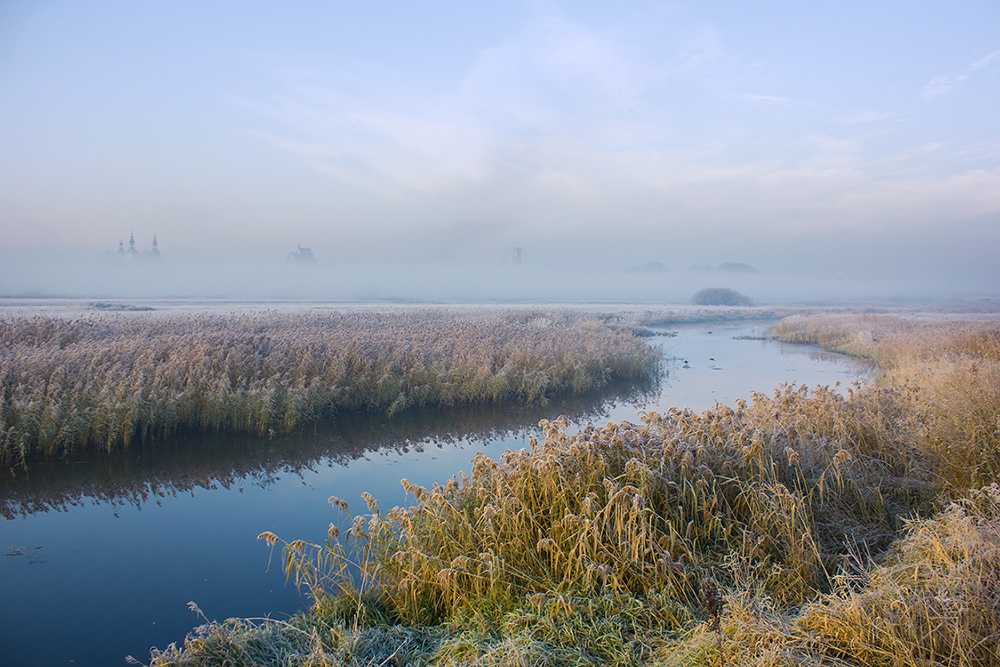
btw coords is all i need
(106, 381)
(803, 527)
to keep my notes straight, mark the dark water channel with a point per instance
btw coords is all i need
(99, 558)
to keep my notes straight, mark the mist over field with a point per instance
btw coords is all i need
(466, 281)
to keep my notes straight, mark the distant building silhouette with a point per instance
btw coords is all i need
(516, 256)
(301, 255)
(130, 255)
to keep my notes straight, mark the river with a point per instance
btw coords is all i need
(99, 558)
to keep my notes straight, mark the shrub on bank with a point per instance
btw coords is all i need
(720, 296)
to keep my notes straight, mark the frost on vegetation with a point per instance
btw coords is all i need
(109, 380)
(804, 526)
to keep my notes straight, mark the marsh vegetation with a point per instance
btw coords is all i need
(148, 471)
(806, 526)
(106, 381)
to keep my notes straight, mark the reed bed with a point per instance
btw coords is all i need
(945, 381)
(182, 464)
(109, 380)
(804, 526)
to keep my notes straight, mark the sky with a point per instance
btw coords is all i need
(856, 142)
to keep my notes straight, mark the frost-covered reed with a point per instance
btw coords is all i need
(106, 381)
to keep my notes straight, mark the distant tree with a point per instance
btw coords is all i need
(720, 296)
(737, 267)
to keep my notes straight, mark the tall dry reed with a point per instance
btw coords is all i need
(944, 378)
(107, 381)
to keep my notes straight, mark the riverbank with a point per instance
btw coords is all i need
(801, 527)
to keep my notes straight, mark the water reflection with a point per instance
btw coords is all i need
(151, 471)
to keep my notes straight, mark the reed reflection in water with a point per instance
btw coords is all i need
(158, 469)
(82, 549)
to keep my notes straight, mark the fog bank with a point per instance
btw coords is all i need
(654, 282)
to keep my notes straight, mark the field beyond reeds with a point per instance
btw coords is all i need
(106, 381)
(803, 527)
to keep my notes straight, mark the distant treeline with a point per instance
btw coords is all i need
(107, 380)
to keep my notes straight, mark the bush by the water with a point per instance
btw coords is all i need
(720, 296)
(806, 527)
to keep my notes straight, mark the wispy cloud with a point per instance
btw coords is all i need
(559, 128)
(984, 61)
(535, 102)
(945, 83)
(553, 82)
(415, 142)
(770, 99)
(861, 117)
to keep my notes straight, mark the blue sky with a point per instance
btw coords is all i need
(788, 135)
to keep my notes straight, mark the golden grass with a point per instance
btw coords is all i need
(835, 530)
(945, 382)
(934, 599)
(106, 381)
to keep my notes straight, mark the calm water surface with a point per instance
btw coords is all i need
(98, 559)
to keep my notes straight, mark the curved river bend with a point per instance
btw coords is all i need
(98, 559)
